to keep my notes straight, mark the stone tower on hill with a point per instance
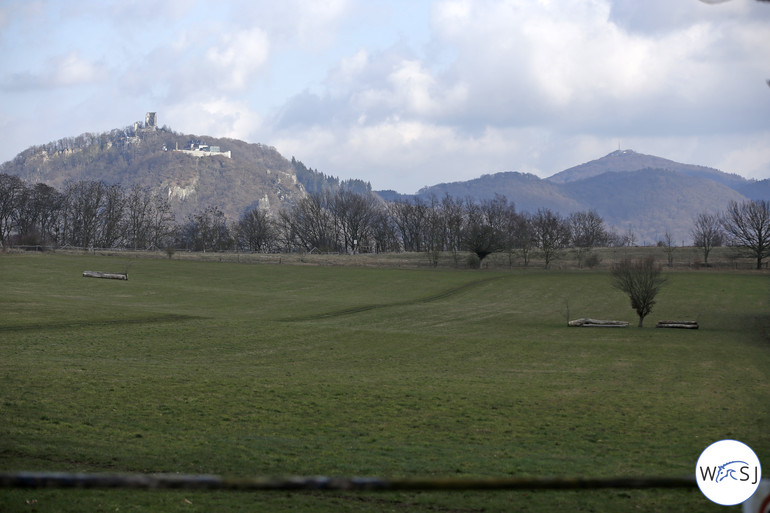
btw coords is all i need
(151, 121)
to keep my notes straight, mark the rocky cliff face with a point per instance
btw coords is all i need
(256, 176)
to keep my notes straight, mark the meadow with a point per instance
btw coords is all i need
(268, 369)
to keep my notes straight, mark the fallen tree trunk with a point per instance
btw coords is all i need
(686, 325)
(109, 276)
(597, 323)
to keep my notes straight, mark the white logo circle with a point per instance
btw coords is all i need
(728, 472)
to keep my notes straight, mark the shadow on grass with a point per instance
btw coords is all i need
(420, 300)
(739, 325)
(149, 319)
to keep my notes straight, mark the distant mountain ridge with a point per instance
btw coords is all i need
(628, 160)
(645, 194)
(527, 191)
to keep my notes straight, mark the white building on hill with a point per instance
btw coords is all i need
(204, 150)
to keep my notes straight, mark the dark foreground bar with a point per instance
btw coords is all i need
(207, 482)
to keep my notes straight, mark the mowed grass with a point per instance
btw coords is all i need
(247, 370)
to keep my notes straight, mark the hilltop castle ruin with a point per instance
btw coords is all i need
(196, 149)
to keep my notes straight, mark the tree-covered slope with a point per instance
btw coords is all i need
(255, 175)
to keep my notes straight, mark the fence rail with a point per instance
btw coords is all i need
(210, 482)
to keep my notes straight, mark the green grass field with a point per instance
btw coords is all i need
(267, 369)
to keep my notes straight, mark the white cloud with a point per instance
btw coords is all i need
(569, 64)
(317, 22)
(558, 55)
(532, 86)
(348, 71)
(236, 58)
(219, 117)
(309, 25)
(356, 89)
(750, 157)
(417, 91)
(72, 69)
(67, 70)
(406, 155)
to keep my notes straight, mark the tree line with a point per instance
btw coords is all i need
(84, 214)
(91, 214)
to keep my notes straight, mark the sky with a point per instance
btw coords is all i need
(403, 93)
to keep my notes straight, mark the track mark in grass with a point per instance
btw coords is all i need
(420, 300)
(149, 319)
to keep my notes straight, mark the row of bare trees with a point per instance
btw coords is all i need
(743, 225)
(347, 222)
(94, 214)
(84, 214)
(344, 221)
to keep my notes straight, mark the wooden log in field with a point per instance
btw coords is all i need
(685, 325)
(109, 276)
(597, 323)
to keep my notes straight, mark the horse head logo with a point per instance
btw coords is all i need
(729, 469)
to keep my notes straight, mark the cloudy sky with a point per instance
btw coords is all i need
(402, 93)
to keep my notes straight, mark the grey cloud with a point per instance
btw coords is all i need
(62, 71)
(308, 109)
(657, 16)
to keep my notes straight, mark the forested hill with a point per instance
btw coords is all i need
(626, 161)
(252, 175)
(645, 194)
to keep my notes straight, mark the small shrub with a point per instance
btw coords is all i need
(642, 280)
(592, 260)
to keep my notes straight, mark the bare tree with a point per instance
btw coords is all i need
(454, 216)
(48, 204)
(384, 232)
(111, 226)
(256, 231)
(309, 224)
(161, 223)
(12, 190)
(587, 231)
(435, 230)
(628, 238)
(485, 225)
(138, 212)
(551, 232)
(354, 213)
(409, 218)
(478, 237)
(524, 237)
(641, 280)
(148, 219)
(207, 230)
(707, 234)
(510, 226)
(84, 204)
(37, 214)
(669, 247)
(747, 225)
